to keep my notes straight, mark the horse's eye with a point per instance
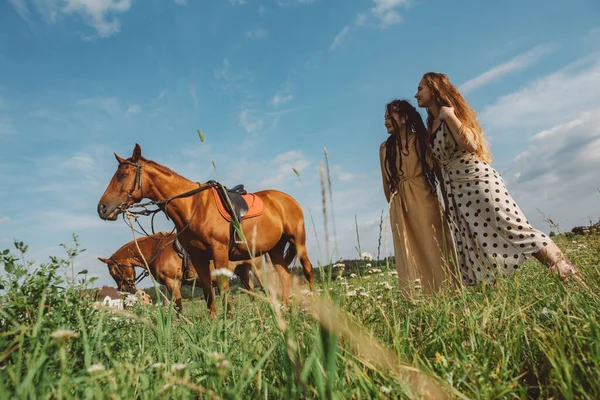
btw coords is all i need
(122, 175)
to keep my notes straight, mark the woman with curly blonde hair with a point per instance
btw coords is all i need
(493, 237)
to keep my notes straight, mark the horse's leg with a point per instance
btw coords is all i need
(221, 261)
(305, 262)
(174, 288)
(279, 263)
(299, 241)
(243, 271)
(203, 270)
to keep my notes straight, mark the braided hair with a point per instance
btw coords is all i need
(395, 149)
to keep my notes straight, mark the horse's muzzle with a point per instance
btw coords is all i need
(106, 213)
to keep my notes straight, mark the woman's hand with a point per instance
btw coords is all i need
(446, 112)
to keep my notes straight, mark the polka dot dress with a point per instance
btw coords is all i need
(492, 235)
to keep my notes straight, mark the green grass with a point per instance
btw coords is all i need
(530, 337)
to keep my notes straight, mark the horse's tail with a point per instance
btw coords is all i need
(290, 254)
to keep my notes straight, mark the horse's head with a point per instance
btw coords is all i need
(123, 273)
(125, 187)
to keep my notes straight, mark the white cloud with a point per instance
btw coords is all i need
(283, 95)
(162, 94)
(386, 11)
(343, 175)
(521, 62)
(4, 219)
(250, 123)
(280, 98)
(223, 72)
(107, 106)
(383, 14)
(20, 7)
(340, 38)
(6, 126)
(547, 101)
(281, 169)
(256, 34)
(237, 2)
(283, 3)
(180, 2)
(133, 109)
(558, 173)
(98, 14)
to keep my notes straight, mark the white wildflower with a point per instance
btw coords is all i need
(95, 368)
(365, 294)
(222, 272)
(63, 334)
(157, 365)
(131, 300)
(385, 389)
(351, 293)
(352, 275)
(178, 367)
(306, 292)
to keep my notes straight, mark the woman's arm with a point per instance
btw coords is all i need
(384, 177)
(464, 137)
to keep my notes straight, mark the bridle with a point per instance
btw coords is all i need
(131, 283)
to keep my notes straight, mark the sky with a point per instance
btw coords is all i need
(272, 84)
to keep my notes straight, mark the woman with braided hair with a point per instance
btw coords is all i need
(493, 237)
(422, 242)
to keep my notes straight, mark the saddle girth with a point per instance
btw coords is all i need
(185, 258)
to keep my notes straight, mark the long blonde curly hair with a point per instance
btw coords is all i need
(448, 95)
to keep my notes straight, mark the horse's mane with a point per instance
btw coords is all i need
(161, 167)
(131, 245)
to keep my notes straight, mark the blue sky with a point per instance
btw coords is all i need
(271, 83)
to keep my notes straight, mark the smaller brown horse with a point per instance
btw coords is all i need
(166, 266)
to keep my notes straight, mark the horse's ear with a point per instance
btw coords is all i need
(104, 260)
(137, 153)
(119, 159)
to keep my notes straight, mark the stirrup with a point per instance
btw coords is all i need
(236, 238)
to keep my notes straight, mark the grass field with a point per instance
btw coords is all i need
(530, 337)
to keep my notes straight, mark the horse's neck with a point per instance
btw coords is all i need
(130, 252)
(166, 185)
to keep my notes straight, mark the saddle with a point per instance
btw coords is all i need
(185, 259)
(235, 205)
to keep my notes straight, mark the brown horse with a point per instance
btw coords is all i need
(202, 231)
(165, 265)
